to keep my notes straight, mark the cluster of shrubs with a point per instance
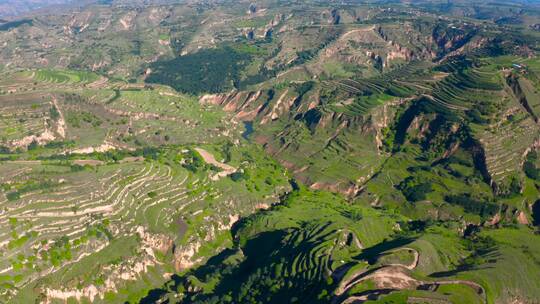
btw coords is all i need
(529, 167)
(473, 205)
(193, 161)
(414, 189)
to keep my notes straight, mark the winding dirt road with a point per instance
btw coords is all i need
(210, 159)
(393, 276)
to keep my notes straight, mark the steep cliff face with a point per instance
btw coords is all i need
(263, 106)
(449, 38)
(290, 122)
(403, 44)
(246, 105)
(516, 84)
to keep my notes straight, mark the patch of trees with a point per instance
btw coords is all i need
(53, 112)
(304, 87)
(415, 189)
(305, 55)
(536, 213)
(29, 186)
(4, 150)
(32, 146)
(415, 226)
(476, 116)
(194, 162)
(59, 144)
(14, 24)
(473, 205)
(76, 119)
(59, 252)
(529, 167)
(239, 176)
(510, 187)
(13, 196)
(109, 156)
(480, 248)
(76, 168)
(209, 70)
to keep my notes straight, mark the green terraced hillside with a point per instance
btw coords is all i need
(269, 152)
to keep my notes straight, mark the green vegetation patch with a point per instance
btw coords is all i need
(208, 70)
(14, 24)
(65, 76)
(285, 253)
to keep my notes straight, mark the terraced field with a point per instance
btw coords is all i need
(271, 152)
(312, 258)
(65, 76)
(65, 219)
(506, 146)
(57, 214)
(462, 89)
(23, 116)
(402, 81)
(104, 115)
(500, 123)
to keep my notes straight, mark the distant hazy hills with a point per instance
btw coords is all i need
(9, 8)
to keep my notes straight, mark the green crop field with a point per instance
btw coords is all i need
(63, 77)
